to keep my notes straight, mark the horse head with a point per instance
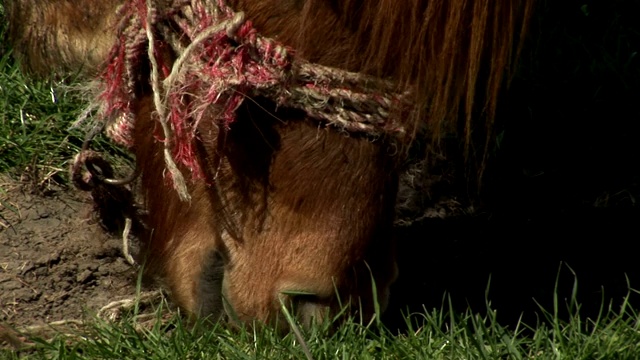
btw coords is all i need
(270, 134)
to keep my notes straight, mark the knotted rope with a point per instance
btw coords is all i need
(221, 59)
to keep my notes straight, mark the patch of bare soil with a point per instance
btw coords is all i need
(56, 262)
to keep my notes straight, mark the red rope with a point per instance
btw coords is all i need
(221, 69)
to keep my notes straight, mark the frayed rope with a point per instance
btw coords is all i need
(221, 59)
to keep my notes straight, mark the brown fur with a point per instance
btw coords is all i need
(287, 205)
(60, 35)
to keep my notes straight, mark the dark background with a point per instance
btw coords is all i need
(563, 185)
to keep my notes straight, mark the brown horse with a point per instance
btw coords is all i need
(286, 207)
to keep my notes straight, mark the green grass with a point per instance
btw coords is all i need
(36, 136)
(434, 334)
(34, 118)
(35, 123)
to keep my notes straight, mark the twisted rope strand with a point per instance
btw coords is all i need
(160, 103)
(221, 59)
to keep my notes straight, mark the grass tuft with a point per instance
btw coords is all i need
(36, 140)
(431, 334)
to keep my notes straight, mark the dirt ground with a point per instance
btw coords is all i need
(56, 263)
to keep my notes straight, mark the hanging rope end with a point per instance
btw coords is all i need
(178, 180)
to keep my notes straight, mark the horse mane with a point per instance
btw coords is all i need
(455, 56)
